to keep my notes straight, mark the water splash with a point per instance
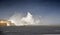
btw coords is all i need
(27, 20)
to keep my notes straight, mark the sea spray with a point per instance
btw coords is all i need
(19, 20)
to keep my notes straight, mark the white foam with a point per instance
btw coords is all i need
(27, 20)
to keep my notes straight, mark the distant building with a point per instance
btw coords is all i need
(4, 22)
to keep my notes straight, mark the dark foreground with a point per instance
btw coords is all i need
(29, 30)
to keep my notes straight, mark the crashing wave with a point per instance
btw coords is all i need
(27, 20)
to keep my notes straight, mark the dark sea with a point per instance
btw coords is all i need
(30, 30)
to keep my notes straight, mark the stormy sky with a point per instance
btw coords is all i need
(48, 9)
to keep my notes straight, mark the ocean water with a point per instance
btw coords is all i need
(17, 33)
(30, 30)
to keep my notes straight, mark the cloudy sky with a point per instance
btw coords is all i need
(48, 9)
